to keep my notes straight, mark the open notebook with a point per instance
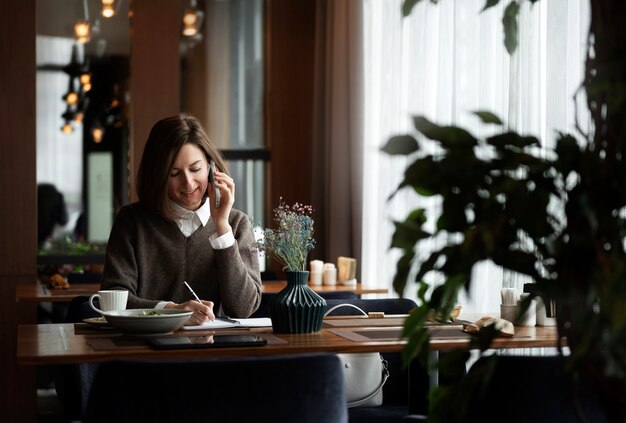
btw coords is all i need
(220, 323)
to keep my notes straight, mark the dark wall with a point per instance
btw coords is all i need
(289, 102)
(18, 187)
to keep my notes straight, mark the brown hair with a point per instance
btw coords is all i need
(166, 138)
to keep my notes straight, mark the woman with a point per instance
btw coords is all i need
(175, 233)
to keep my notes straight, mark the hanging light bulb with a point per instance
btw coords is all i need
(71, 98)
(67, 128)
(85, 80)
(82, 31)
(67, 116)
(79, 117)
(192, 20)
(97, 133)
(108, 10)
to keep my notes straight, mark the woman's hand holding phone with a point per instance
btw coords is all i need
(222, 186)
(216, 190)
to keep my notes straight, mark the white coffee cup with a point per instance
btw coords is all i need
(110, 300)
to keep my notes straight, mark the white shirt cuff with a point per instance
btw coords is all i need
(161, 305)
(225, 241)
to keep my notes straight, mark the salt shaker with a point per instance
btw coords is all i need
(529, 318)
(317, 268)
(330, 274)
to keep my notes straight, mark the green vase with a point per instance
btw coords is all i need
(297, 308)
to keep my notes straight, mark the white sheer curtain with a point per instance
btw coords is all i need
(445, 61)
(59, 155)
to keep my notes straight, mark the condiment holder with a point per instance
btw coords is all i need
(316, 273)
(529, 317)
(508, 308)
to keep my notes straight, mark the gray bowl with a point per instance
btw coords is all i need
(147, 321)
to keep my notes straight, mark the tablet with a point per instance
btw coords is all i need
(210, 341)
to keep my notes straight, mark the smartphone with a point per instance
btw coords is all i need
(216, 190)
(211, 341)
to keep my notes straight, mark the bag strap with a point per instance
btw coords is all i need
(343, 305)
(385, 368)
(384, 378)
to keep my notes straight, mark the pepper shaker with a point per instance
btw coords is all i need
(330, 274)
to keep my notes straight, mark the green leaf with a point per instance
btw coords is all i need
(488, 117)
(401, 145)
(418, 216)
(415, 321)
(489, 3)
(452, 364)
(407, 234)
(403, 267)
(512, 139)
(509, 20)
(449, 136)
(408, 6)
(422, 176)
(417, 346)
(568, 151)
(422, 290)
(427, 266)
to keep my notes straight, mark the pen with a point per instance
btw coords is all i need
(192, 292)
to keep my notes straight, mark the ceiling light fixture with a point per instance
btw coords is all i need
(192, 20)
(85, 81)
(68, 116)
(82, 28)
(97, 133)
(82, 31)
(75, 98)
(71, 97)
(108, 10)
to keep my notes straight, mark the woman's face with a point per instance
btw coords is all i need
(189, 177)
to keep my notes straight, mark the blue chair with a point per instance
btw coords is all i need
(304, 389)
(530, 389)
(396, 390)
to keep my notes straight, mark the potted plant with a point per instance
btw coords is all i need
(297, 308)
(499, 207)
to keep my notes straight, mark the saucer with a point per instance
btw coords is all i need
(98, 321)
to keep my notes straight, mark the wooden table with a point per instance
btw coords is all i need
(37, 292)
(49, 344)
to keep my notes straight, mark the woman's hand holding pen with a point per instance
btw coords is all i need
(202, 311)
(220, 215)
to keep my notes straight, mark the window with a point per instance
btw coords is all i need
(445, 61)
(222, 85)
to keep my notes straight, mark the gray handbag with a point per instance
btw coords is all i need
(364, 374)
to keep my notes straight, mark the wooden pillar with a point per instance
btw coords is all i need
(154, 71)
(18, 221)
(290, 58)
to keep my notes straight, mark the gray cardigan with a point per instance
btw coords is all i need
(150, 257)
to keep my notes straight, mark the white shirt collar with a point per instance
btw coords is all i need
(189, 221)
(204, 212)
